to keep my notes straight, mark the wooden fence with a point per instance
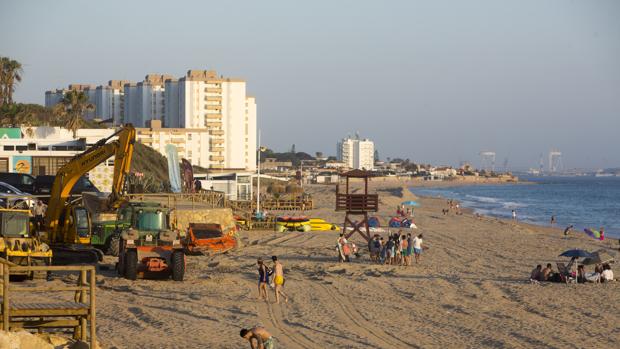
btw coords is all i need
(49, 313)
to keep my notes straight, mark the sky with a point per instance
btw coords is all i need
(434, 81)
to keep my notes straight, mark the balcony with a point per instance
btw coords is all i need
(217, 149)
(213, 98)
(216, 141)
(213, 107)
(216, 158)
(213, 89)
(216, 132)
(214, 116)
(177, 140)
(214, 124)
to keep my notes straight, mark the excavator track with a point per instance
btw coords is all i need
(75, 254)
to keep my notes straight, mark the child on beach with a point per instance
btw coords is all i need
(263, 339)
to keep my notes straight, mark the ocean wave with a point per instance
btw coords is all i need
(483, 198)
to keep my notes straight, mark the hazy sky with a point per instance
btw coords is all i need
(434, 81)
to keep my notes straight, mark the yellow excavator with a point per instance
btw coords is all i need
(67, 222)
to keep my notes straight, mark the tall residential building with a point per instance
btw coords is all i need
(202, 100)
(357, 153)
(145, 100)
(108, 99)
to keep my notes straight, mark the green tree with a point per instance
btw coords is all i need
(10, 74)
(72, 107)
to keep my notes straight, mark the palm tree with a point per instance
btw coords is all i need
(73, 106)
(10, 74)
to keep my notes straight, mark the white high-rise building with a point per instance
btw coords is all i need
(145, 100)
(107, 99)
(202, 100)
(357, 153)
(201, 103)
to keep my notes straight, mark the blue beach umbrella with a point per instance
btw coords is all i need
(577, 253)
(411, 203)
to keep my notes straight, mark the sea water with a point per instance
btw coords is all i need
(585, 202)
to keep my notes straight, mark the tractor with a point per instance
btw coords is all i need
(148, 246)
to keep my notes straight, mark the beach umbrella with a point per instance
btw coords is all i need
(411, 203)
(576, 253)
(594, 233)
(599, 257)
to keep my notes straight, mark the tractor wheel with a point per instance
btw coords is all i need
(131, 264)
(114, 245)
(178, 265)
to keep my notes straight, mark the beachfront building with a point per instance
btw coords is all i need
(356, 153)
(204, 100)
(145, 101)
(191, 143)
(107, 99)
(199, 104)
(44, 150)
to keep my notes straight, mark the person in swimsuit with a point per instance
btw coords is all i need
(263, 280)
(278, 279)
(258, 337)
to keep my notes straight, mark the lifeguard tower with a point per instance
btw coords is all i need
(356, 204)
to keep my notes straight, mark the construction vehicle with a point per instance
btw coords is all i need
(67, 222)
(149, 246)
(18, 245)
(209, 238)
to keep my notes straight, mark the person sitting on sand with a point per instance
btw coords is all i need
(581, 274)
(278, 279)
(536, 273)
(567, 230)
(546, 273)
(607, 274)
(258, 337)
(263, 280)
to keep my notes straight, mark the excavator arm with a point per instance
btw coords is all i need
(56, 217)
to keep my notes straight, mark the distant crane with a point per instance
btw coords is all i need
(487, 161)
(555, 161)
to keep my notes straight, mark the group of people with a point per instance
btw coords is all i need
(404, 212)
(602, 273)
(396, 250)
(264, 274)
(452, 205)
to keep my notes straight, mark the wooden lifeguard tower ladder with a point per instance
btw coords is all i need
(356, 204)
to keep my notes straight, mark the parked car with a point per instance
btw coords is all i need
(14, 198)
(21, 181)
(43, 185)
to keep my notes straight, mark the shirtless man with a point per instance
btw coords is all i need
(278, 279)
(258, 337)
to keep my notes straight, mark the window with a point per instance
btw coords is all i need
(9, 147)
(21, 147)
(189, 136)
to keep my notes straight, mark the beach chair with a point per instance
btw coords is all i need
(565, 274)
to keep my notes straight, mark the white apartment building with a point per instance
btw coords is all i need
(200, 104)
(108, 99)
(202, 100)
(357, 153)
(145, 100)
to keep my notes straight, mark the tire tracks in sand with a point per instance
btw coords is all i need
(286, 337)
(381, 338)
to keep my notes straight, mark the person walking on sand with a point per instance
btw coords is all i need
(417, 247)
(278, 279)
(263, 280)
(258, 337)
(409, 249)
(514, 215)
(404, 246)
(552, 221)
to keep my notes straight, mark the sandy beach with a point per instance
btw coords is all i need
(469, 291)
